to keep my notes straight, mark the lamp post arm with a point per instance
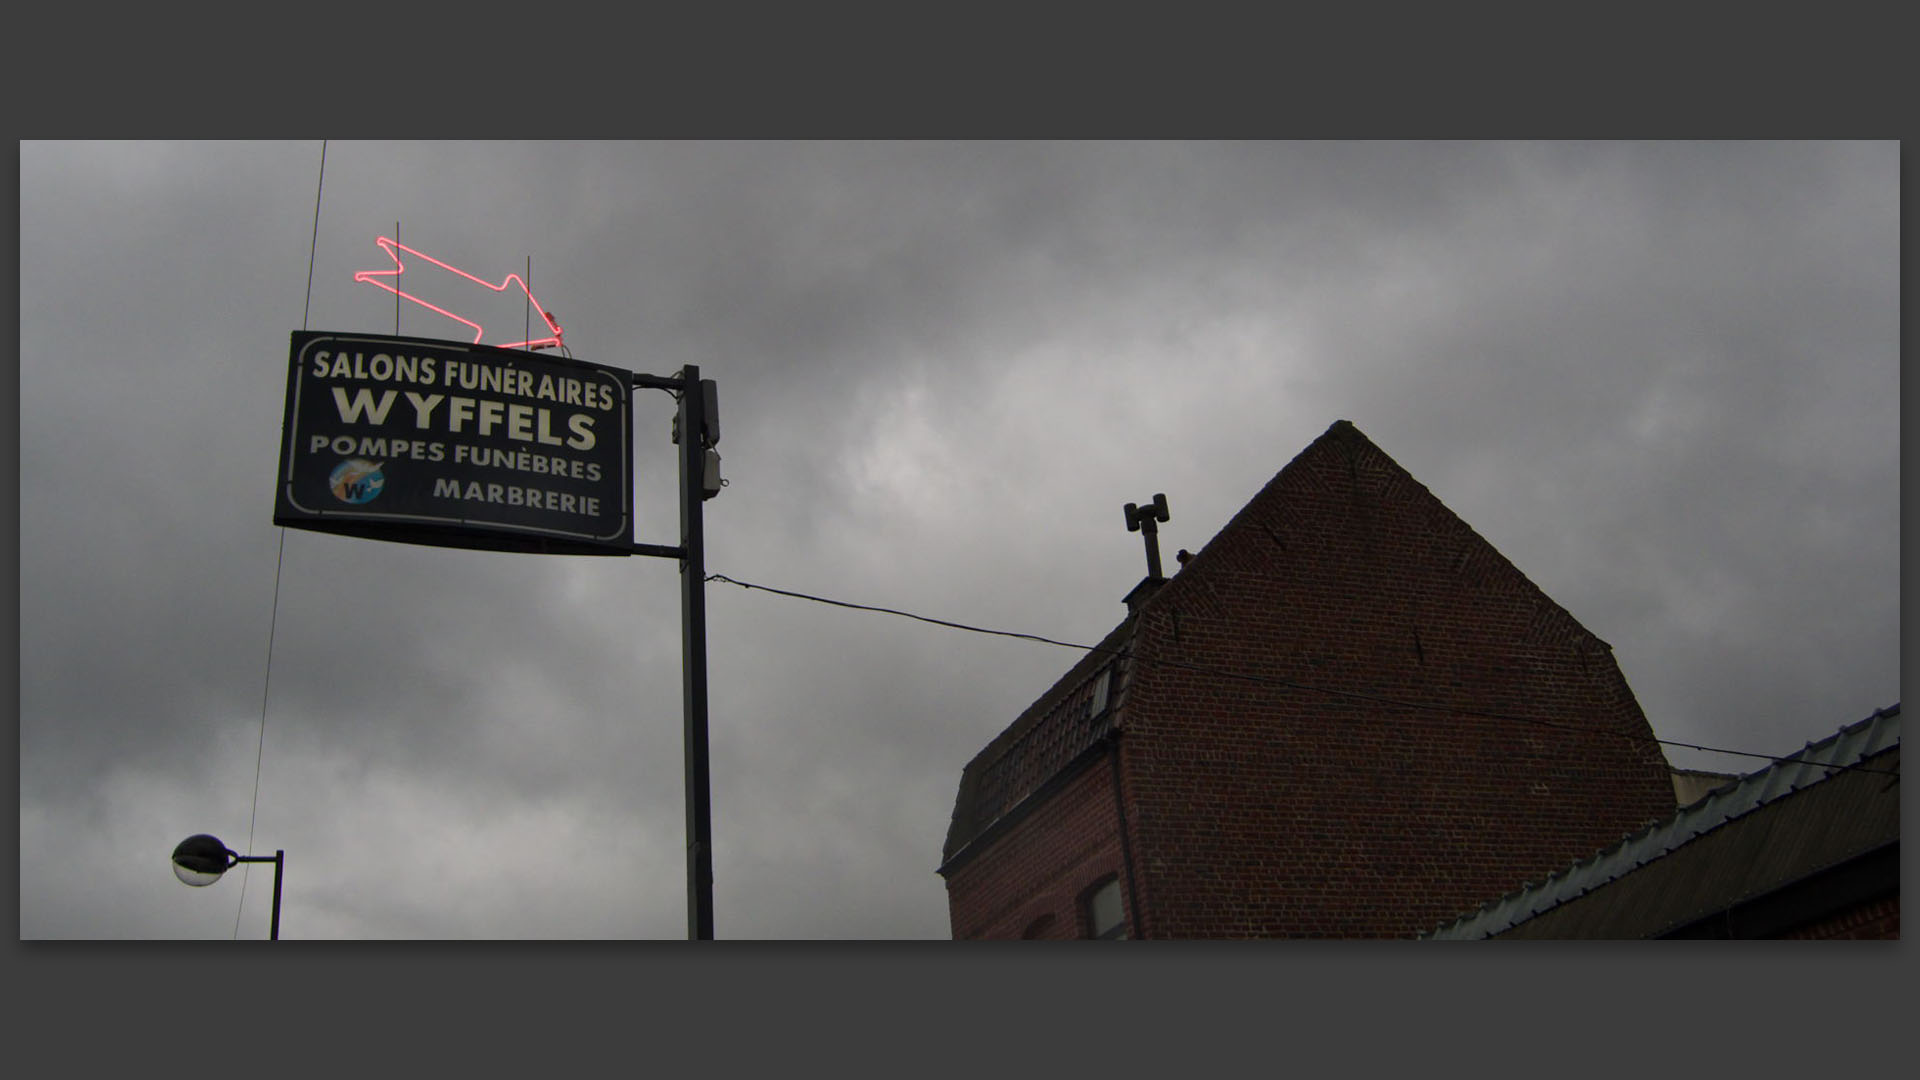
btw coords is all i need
(279, 861)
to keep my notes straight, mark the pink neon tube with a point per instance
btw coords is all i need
(394, 247)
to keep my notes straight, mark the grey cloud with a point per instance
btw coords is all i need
(1659, 377)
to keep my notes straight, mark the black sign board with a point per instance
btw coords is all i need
(455, 445)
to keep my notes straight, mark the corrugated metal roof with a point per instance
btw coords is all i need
(1812, 765)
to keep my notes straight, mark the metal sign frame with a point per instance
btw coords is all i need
(424, 441)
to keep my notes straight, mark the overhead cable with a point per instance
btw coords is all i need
(1267, 680)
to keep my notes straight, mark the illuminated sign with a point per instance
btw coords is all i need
(453, 444)
(389, 279)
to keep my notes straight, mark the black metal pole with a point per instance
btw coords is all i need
(279, 862)
(693, 660)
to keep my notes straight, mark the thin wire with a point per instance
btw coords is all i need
(313, 250)
(260, 748)
(906, 614)
(279, 561)
(1267, 680)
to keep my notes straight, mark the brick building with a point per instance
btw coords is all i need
(1346, 716)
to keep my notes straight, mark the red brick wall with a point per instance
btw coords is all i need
(1265, 810)
(1257, 808)
(1878, 920)
(1043, 865)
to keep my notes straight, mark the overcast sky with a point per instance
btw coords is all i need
(1660, 378)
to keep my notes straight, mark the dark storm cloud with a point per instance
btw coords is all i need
(1660, 378)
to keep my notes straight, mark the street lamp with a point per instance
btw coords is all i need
(201, 859)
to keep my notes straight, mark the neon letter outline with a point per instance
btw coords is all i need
(393, 247)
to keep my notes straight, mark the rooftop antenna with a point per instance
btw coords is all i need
(1142, 520)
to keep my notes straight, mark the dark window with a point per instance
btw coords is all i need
(1106, 919)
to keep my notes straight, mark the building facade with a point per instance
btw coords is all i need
(1347, 716)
